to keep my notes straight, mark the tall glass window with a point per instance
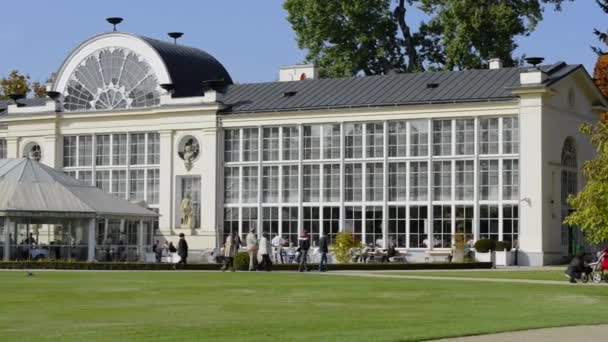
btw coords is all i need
(250, 221)
(488, 136)
(70, 149)
(250, 184)
(119, 183)
(153, 148)
(464, 221)
(418, 226)
(290, 183)
(250, 144)
(312, 142)
(375, 140)
(488, 222)
(331, 183)
(419, 138)
(270, 184)
(397, 181)
(442, 137)
(488, 180)
(374, 182)
(510, 135)
(231, 184)
(442, 226)
(289, 225)
(465, 136)
(510, 179)
(85, 150)
(373, 225)
(331, 141)
(397, 233)
(310, 222)
(102, 149)
(353, 141)
(397, 139)
(271, 143)
(291, 143)
(353, 221)
(231, 222)
(137, 185)
(119, 149)
(102, 180)
(331, 222)
(465, 175)
(270, 221)
(510, 225)
(353, 180)
(419, 176)
(153, 186)
(232, 145)
(442, 181)
(311, 183)
(2, 148)
(138, 149)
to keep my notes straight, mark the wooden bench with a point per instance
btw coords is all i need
(431, 255)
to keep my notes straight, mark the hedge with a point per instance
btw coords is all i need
(67, 265)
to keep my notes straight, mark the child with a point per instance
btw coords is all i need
(291, 253)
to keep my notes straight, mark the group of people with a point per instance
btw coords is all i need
(165, 249)
(261, 249)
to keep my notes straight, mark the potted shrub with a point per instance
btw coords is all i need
(504, 256)
(483, 250)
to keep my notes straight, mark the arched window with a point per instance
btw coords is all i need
(568, 185)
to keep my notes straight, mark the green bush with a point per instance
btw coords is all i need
(241, 261)
(342, 246)
(485, 245)
(501, 246)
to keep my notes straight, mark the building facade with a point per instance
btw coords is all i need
(408, 158)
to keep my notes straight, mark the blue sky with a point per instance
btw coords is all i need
(251, 38)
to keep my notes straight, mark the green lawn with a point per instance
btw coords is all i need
(495, 274)
(184, 306)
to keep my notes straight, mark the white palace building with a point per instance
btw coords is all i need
(410, 158)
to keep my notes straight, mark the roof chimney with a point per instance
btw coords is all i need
(299, 72)
(495, 63)
(533, 75)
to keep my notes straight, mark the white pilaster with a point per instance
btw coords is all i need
(166, 181)
(91, 242)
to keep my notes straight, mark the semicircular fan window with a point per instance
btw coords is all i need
(112, 78)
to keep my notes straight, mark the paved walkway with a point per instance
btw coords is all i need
(566, 334)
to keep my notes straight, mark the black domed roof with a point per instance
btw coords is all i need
(189, 67)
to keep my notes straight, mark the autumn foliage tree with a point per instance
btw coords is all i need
(17, 83)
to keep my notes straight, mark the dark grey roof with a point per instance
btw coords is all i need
(33, 102)
(385, 90)
(189, 67)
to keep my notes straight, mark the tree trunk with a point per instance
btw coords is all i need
(410, 47)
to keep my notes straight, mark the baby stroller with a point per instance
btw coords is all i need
(600, 268)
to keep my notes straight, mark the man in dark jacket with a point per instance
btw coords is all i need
(323, 250)
(577, 267)
(182, 250)
(303, 246)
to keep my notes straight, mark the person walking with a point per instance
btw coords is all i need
(277, 248)
(304, 246)
(323, 250)
(252, 249)
(158, 251)
(182, 251)
(231, 248)
(264, 252)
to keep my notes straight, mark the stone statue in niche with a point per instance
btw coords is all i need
(187, 211)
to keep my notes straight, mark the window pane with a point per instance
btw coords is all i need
(397, 181)
(102, 181)
(488, 180)
(397, 234)
(250, 184)
(232, 145)
(419, 176)
(291, 143)
(488, 136)
(2, 148)
(373, 225)
(374, 177)
(290, 183)
(465, 174)
(375, 140)
(331, 223)
(289, 225)
(331, 141)
(270, 143)
(312, 142)
(419, 138)
(442, 137)
(464, 221)
(119, 149)
(510, 179)
(488, 222)
(250, 144)
(250, 220)
(138, 149)
(231, 184)
(397, 139)
(270, 184)
(311, 185)
(69, 151)
(270, 221)
(442, 181)
(310, 222)
(353, 180)
(85, 150)
(510, 225)
(331, 183)
(153, 186)
(137, 185)
(153, 148)
(465, 136)
(119, 183)
(510, 135)
(353, 141)
(442, 226)
(353, 221)
(419, 227)
(102, 150)
(231, 222)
